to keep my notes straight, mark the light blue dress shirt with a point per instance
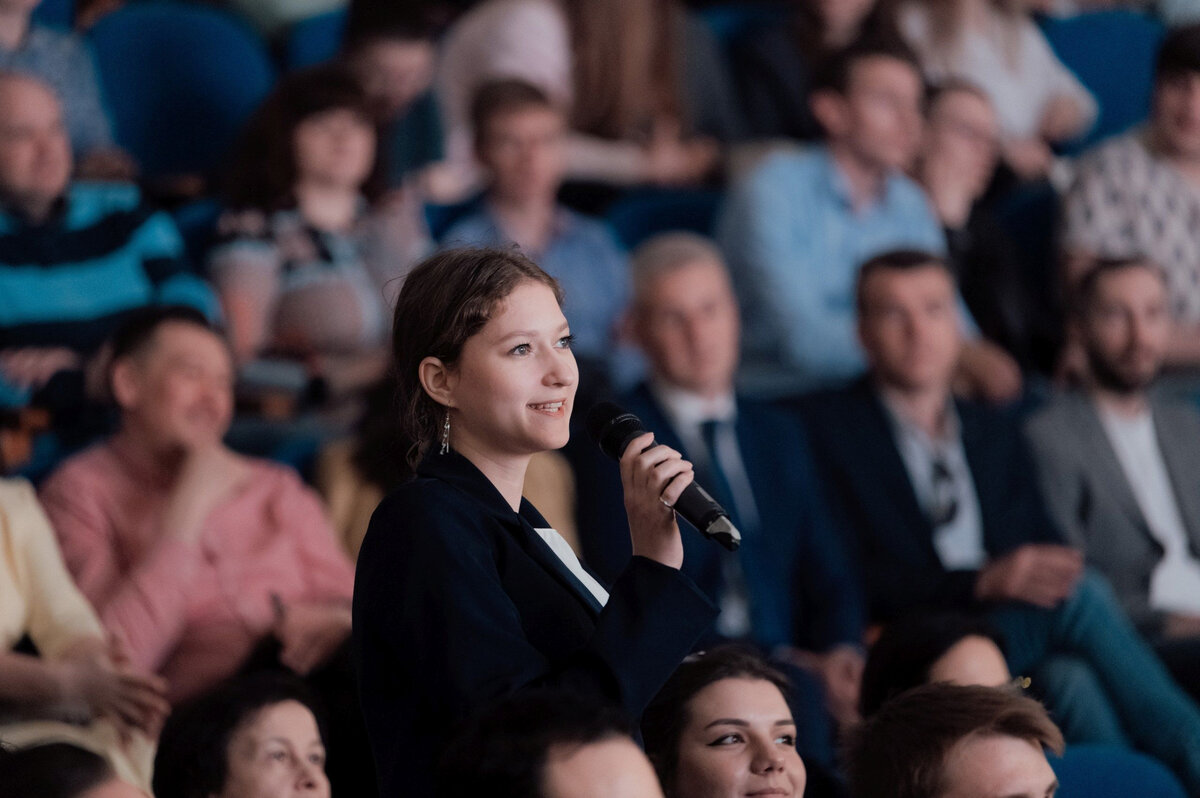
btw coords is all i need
(794, 244)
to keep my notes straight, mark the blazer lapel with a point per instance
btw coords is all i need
(889, 473)
(462, 473)
(1178, 449)
(1099, 452)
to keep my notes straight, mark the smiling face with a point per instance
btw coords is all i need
(994, 766)
(277, 753)
(178, 393)
(740, 740)
(512, 388)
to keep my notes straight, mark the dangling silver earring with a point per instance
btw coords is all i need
(446, 434)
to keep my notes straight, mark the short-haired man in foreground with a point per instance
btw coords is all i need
(546, 744)
(943, 501)
(953, 741)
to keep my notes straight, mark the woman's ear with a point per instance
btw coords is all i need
(438, 380)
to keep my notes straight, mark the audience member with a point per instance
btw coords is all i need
(956, 165)
(952, 741)
(520, 139)
(546, 744)
(75, 258)
(631, 71)
(1137, 195)
(721, 726)
(394, 59)
(61, 770)
(309, 264)
(773, 63)
(996, 46)
(79, 675)
(252, 737)
(943, 503)
(796, 230)
(789, 588)
(64, 63)
(1116, 462)
(462, 586)
(191, 553)
(955, 648)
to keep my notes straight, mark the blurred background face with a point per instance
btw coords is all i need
(879, 118)
(277, 753)
(180, 391)
(35, 154)
(739, 740)
(1126, 329)
(335, 148)
(991, 766)
(687, 323)
(909, 327)
(524, 150)
(114, 788)
(974, 660)
(963, 135)
(394, 72)
(1176, 114)
(614, 768)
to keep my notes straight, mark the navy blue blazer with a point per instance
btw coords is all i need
(871, 493)
(458, 601)
(802, 587)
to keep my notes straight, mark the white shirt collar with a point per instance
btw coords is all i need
(688, 410)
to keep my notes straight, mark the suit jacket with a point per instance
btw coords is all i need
(458, 601)
(1091, 499)
(802, 587)
(870, 491)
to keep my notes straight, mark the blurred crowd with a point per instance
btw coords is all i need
(915, 284)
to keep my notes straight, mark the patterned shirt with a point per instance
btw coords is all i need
(1127, 201)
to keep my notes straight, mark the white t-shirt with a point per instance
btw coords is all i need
(1175, 583)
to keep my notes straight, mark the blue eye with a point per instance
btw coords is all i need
(566, 342)
(520, 349)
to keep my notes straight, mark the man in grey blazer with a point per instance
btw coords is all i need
(1120, 468)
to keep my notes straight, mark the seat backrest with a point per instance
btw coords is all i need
(314, 40)
(180, 80)
(1112, 53)
(644, 213)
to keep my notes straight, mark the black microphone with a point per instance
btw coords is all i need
(613, 429)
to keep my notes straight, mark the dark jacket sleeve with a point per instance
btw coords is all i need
(436, 635)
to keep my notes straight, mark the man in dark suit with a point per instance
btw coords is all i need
(1120, 467)
(944, 508)
(789, 589)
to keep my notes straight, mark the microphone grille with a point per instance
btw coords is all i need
(612, 428)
